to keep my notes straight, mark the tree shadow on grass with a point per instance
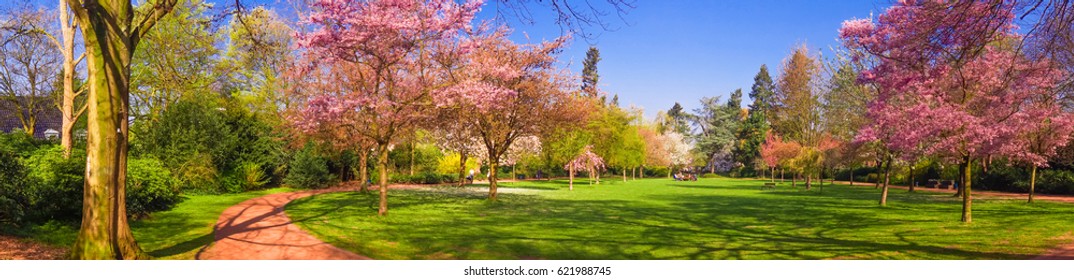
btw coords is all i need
(710, 226)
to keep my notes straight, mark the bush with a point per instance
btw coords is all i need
(207, 142)
(1055, 181)
(308, 170)
(150, 187)
(57, 195)
(12, 183)
(423, 178)
(251, 176)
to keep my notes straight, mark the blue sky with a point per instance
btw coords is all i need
(680, 51)
(664, 52)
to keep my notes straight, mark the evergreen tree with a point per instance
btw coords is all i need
(754, 129)
(718, 125)
(590, 77)
(677, 120)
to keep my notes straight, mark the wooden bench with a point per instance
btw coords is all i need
(768, 186)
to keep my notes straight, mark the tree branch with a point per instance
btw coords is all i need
(159, 10)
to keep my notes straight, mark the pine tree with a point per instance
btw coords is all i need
(590, 77)
(754, 129)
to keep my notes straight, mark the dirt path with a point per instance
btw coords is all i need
(258, 229)
(12, 248)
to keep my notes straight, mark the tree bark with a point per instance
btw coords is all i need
(641, 173)
(110, 38)
(967, 194)
(412, 158)
(961, 176)
(382, 166)
(913, 182)
(887, 177)
(781, 179)
(462, 168)
(570, 176)
(492, 180)
(1032, 182)
(363, 169)
(624, 175)
(852, 176)
(67, 105)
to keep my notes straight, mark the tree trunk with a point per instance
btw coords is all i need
(794, 180)
(110, 39)
(492, 180)
(887, 177)
(570, 176)
(781, 179)
(104, 233)
(961, 177)
(412, 159)
(913, 182)
(633, 173)
(808, 181)
(1032, 182)
(462, 168)
(641, 173)
(852, 176)
(967, 194)
(67, 105)
(624, 175)
(382, 166)
(363, 169)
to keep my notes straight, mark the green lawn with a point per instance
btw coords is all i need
(178, 233)
(664, 219)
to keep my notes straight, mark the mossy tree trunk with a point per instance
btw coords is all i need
(110, 37)
(462, 168)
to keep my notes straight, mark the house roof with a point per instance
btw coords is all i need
(48, 116)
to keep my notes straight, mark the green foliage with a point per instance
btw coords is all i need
(614, 139)
(590, 77)
(719, 125)
(57, 193)
(150, 187)
(19, 143)
(753, 130)
(12, 183)
(423, 178)
(308, 169)
(561, 146)
(426, 157)
(251, 176)
(206, 140)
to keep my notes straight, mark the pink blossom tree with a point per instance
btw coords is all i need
(386, 47)
(948, 82)
(589, 161)
(508, 92)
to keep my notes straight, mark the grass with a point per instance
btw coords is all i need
(179, 233)
(664, 219)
